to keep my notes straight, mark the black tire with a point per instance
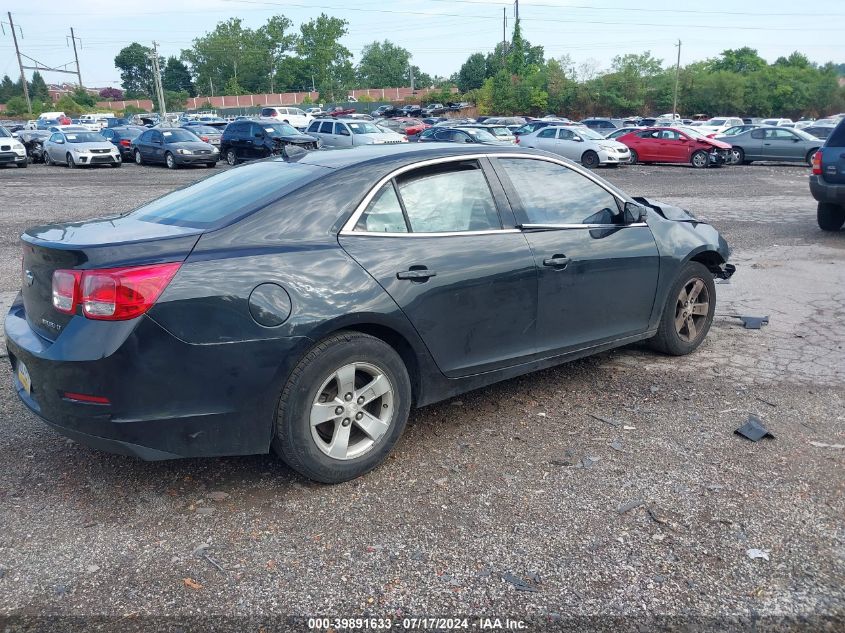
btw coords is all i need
(830, 216)
(48, 159)
(170, 161)
(669, 339)
(138, 159)
(590, 159)
(699, 159)
(71, 164)
(293, 440)
(809, 157)
(117, 164)
(23, 165)
(738, 155)
(231, 158)
(634, 158)
(210, 165)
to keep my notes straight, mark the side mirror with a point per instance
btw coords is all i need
(635, 213)
(467, 140)
(578, 139)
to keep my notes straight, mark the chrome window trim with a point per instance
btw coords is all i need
(349, 226)
(555, 227)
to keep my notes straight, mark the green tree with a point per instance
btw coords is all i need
(739, 60)
(472, 74)
(327, 59)
(16, 105)
(384, 65)
(174, 100)
(38, 88)
(7, 89)
(136, 71)
(176, 77)
(83, 98)
(278, 42)
(70, 107)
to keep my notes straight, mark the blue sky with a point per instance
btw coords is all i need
(439, 33)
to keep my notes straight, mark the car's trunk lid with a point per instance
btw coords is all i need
(104, 243)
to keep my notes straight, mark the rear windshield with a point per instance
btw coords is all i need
(837, 137)
(232, 194)
(129, 133)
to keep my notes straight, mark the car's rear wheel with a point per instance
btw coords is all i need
(118, 164)
(809, 157)
(231, 158)
(170, 161)
(634, 158)
(830, 216)
(48, 159)
(69, 161)
(343, 408)
(590, 159)
(699, 159)
(138, 159)
(737, 156)
(688, 312)
(210, 165)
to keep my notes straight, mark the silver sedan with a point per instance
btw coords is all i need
(80, 149)
(772, 143)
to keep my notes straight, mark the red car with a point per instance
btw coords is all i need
(675, 145)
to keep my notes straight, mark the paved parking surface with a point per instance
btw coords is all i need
(612, 486)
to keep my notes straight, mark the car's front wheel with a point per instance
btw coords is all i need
(634, 158)
(688, 312)
(69, 161)
(699, 159)
(170, 161)
(343, 408)
(737, 156)
(590, 159)
(138, 159)
(830, 216)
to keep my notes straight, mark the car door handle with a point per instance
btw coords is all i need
(416, 274)
(557, 261)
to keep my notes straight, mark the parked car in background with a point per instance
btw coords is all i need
(827, 181)
(411, 110)
(460, 135)
(315, 111)
(457, 121)
(174, 147)
(599, 124)
(717, 125)
(304, 307)
(121, 138)
(80, 149)
(778, 122)
(675, 145)
(297, 117)
(260, 138)
(386, 111)
(499, 131)
(738, 129)
(404, 125)
(12, 151)
(577, 143)
(819, 131)
(351, 133)
(773, 144)
(434, 120)
(532, 126)
(208, 133)
(434, 109)
(513, 122)
(33, 142)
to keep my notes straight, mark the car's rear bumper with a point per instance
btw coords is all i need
(166, 398)
(826, 191)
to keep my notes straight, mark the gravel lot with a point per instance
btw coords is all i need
(611, 489)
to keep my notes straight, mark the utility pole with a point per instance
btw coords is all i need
(76, 57)
(411, 70)
(157, 79)
(516, 10)
(677, 77)
(504, 35)
(20, 63)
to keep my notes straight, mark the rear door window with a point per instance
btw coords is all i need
(326, 127)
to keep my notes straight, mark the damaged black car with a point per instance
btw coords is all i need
(260, 138)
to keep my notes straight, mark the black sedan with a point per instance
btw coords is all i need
(304, 305)
(460, 135)
(174, 147)
(121, 138)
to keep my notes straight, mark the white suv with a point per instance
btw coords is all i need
(12, 151)
(296, 117)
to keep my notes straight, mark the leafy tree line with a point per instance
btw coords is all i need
(738, 81)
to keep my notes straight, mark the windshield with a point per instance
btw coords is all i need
(363, 128)
(478, 134)
(588, 133)
(716, 122)
(178, 136)
(691, 131)
(227, 195)
(500, 131)
(84, 137)
(280, 129)
(4, 131)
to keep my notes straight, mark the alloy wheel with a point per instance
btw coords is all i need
(170, 161)
(352, 411)
(699, 159)
(231, 158)
(138, 159)
(691, 310)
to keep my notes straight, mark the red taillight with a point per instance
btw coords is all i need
(125, 142)
(204, 138)
(516, 140)
(112, 294)
(81, 397)
(66, 290)
(817, 163)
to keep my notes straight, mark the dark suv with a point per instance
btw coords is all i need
(260, 138)
(827, 182)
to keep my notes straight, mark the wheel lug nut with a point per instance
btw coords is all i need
(359, 416)
(360, 399)
(338, 410)
(347, 397)
(346, 422)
